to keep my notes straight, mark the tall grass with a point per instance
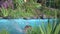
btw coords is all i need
(23, 9)
(45, 30)
(26, 9)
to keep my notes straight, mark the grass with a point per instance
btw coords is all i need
(22, 10)
(45, 30)
(28, 9)
(3, 31)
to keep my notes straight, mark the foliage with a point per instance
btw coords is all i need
(50, 12)
(27, 9)
(53, 3)
(49, 29)
(4, 12)
(4, 32)
(22, 9)
(57, 2)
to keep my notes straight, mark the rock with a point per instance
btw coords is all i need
(1, 17)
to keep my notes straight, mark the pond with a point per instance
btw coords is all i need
(15, 25)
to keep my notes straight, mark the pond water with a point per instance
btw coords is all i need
(14, 26)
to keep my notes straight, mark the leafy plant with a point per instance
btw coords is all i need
(4, 12)
(27, 9)
(4, 32)
(48, 29)
(24, 9)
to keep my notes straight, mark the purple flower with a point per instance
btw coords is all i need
(5, 5)
(1, 3)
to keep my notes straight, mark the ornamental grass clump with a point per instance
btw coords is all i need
(4, 12)
(48, 29)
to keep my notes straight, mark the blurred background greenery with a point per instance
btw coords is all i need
(32, 9)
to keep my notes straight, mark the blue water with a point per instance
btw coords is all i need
(14, 25)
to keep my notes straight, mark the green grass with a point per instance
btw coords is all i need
(45, 30)
(28, 9)
(22, 10)
(3, 31)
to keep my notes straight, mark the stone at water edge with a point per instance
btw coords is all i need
(1, 17)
